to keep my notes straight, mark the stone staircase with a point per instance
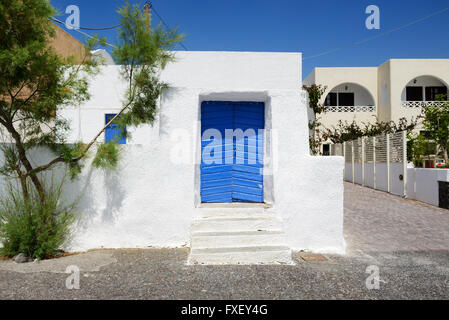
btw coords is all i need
(238, 235)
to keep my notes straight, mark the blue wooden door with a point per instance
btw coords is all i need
(232, 149)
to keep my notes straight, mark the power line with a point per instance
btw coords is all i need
(88, 35)
(379, 35)
(91, 29)
(81, 32)
(116, 26)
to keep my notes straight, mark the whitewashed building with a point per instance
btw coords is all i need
(164, 194)
(398, 88)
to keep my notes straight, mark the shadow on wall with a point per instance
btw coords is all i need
(115, 195)
(80, 191)
(166, 97)
(93, 191)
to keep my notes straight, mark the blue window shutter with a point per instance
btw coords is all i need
(113, 132)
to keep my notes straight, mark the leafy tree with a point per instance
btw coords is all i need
(419, 149)
(36, 83)
(436, 124)
(142, 52)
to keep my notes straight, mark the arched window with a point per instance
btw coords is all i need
(423, 90)
(349, 97)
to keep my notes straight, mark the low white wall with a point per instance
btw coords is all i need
(396, 169)
(311, 199)
(422, 184)
(144, 202)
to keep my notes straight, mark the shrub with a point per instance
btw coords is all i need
(32, 227)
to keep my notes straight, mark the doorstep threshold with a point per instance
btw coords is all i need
(234, 205)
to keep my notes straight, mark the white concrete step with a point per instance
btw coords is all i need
(236, 224)
(242, 255)
(238, 234)
(235, 214)
(203, 240)
(234, 206)
(229, 212)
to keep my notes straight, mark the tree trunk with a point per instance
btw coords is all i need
(23, 183)
(445, 154)
(26, 163)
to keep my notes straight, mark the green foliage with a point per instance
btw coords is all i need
(436, 124)
(345, 131)
(10, 160)
(411, 145)
(419, 149)
(143, 52)
(107, 156)
(35, 84)
(35, 81)
(315, 93)
(29, 226)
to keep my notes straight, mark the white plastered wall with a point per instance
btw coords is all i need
(384, 92)
(152, 197)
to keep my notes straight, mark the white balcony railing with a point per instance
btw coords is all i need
(341, 109)
(420, 104)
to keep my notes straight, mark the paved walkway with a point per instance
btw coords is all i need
(376, 221)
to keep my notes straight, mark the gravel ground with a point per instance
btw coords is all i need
(161, 274)
(407, 241)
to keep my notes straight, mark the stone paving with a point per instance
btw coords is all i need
(377, 221)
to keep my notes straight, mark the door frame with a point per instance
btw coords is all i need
(232, 96)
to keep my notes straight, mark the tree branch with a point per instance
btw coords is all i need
(91, 143)
(100, 132)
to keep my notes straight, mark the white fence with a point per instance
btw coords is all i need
(376, 162)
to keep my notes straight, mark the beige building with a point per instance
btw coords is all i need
(396, 89)
(65, 45)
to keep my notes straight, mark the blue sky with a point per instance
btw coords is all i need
(310, 27)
